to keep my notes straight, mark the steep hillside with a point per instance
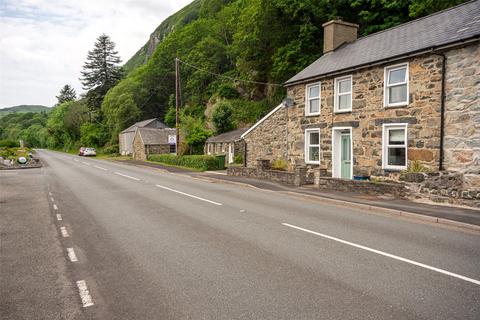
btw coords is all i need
(23, 109)
(188, 14)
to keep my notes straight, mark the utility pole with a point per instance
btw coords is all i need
(177, 103)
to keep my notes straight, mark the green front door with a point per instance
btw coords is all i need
(346, 156)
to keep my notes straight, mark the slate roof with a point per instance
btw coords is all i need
(142, 124)
(459, 23)
(230, 136)
(151, 136)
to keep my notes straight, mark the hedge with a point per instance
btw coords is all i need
(199, 162)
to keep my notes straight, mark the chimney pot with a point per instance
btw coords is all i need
(338, 32)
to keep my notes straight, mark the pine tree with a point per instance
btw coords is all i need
(67, 93)
(101, 71)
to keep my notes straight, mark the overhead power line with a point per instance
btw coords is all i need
(227, 77)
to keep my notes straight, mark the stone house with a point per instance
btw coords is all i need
(152, 141)
(125, 138)
(370, 106)
(228, 143)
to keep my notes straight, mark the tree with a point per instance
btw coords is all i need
(67, 93)
(101, 71)
(222, 117)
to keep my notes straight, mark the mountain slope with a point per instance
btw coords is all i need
(186, 15)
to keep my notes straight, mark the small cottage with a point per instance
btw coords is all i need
(228, 143)
(125, 138)
(371, 106)
(153, 141)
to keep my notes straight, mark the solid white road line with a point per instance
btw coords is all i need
(86, 163)
(129, 177)
(64, 232)
(59, 217)
(188, 195)
(100, 168)
(84, 294)
(72, 255)
(448, 273)
(55, 207)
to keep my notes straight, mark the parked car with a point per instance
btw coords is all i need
(90, 152)
(81, 151)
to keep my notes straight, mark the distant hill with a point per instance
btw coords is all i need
(23, 109)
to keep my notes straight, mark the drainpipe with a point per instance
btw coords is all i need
(442, 110)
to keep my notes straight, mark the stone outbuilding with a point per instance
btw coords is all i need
(371, 106)
(125, 138)
(228, 143)
(153, 141)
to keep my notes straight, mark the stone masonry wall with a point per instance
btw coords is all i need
(462, 114)
(367, 116)
(138, 148)
(267, 141)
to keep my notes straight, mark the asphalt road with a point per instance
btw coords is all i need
(153, 245)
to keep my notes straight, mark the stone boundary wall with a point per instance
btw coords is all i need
(263, 171)
(379, 188)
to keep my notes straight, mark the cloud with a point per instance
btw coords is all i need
(44, 43)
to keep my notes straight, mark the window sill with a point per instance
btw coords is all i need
(342, 111)
(399, 105)
(394, 168)
(312, 162)
(312, 114)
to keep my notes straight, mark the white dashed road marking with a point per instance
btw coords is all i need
(59, 217)
(86, 163)
(84, 294)
(100, 168)
(64, 232)
(55, 207)
(75, 160)
(51, 199)
(385, 254)
(72, 255)
(188, 195)
(124, 175)
(49, 193)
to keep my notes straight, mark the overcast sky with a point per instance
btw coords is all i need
(44, 43)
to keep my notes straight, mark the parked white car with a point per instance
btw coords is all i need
(90, 152)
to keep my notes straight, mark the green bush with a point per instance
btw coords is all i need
(238, 159)
(111, 149)
(226, 91)
(199, 162)
(222, 117)
(9, 144)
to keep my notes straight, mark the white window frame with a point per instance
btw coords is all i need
(385, 146)
(307, 145)
(337, 94)
(386, 96)
(307, 99)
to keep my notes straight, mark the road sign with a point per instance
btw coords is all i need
(172, 139)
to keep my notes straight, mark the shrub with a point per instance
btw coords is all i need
(199, 162)
(416, 166)
(111, 149)
(280, 164)
(238, 159)
(227, 91)
(9, 144)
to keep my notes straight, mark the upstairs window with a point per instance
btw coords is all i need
(395, 146)
(343, 94)
(396, 86)
(312, 103)
(312, 146)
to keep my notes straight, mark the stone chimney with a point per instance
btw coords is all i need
(336, 33)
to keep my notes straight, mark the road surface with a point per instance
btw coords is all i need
(122, 242)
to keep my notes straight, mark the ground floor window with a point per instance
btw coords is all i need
(173, 148)
(312, 146)
(395, 146)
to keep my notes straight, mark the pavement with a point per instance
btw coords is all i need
(152, 244)
(459, 214)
